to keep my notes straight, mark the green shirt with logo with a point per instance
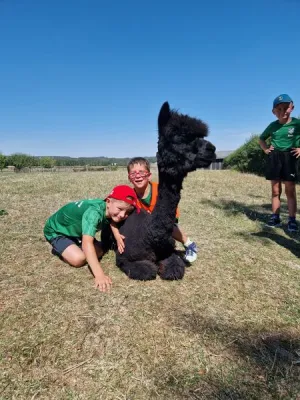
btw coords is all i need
(283, 136)
(83, 217)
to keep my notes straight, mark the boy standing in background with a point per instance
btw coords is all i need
(282, 156)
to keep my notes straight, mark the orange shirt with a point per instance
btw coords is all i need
(153, 200)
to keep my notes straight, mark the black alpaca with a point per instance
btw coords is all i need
(149, 246)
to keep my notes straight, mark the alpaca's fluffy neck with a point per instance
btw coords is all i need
(163, 216)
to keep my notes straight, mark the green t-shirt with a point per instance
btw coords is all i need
(283, 136)
(83, 217)
(147, 199)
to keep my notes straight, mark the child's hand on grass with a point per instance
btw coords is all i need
(120, 243)
(103, 283)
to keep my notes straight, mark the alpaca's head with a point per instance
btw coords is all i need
(181, 144)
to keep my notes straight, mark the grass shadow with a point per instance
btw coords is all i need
(234, 208)
(266, 364)
(288, 243)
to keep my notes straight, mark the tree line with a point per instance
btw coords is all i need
(20, 160)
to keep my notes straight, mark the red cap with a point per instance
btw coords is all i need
(124, 193)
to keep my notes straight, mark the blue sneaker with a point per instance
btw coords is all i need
(274, 222)
(191, 252)
(292, 225)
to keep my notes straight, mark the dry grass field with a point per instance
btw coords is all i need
(229, 330)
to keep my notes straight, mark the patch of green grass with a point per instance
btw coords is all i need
(228, 330)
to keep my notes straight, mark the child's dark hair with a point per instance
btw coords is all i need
(138, 160)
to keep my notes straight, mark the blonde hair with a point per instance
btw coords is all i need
(138, 160)
(129, 206)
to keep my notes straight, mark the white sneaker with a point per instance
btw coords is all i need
(191, 252)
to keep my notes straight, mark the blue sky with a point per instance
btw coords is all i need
(87, 77)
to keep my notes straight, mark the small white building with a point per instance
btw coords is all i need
(218, 163)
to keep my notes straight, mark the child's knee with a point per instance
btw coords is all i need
(78, 262)
(75, 258)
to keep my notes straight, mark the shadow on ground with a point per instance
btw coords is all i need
(265, 365)
(288, 243)
(257, 213)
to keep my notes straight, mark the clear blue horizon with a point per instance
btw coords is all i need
(87, 78)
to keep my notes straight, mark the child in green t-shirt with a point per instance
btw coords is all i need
(282, 156)
(72, 228)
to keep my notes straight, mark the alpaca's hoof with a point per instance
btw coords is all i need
(172, 268)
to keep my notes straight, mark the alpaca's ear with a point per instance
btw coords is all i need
(164, 115)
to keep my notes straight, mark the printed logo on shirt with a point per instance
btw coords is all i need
(291, 132)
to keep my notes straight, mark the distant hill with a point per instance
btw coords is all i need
(68, 161)
(105, 161)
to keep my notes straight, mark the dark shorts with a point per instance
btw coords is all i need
(60, 243)
(281, 166)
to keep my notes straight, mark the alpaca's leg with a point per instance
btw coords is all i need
(172, 268)
(140, 270)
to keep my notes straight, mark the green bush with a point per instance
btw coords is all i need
(47, 162)
(20, 160)
(247, 158)
(2, 162)
(250, 158)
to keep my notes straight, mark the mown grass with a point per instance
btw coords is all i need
(229, 330)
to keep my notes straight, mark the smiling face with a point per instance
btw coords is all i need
(117, 210)
(282, 111)
(139, 175)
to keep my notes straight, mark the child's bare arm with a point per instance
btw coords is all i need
(265, 147)
(119, 238)
(102, 281)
